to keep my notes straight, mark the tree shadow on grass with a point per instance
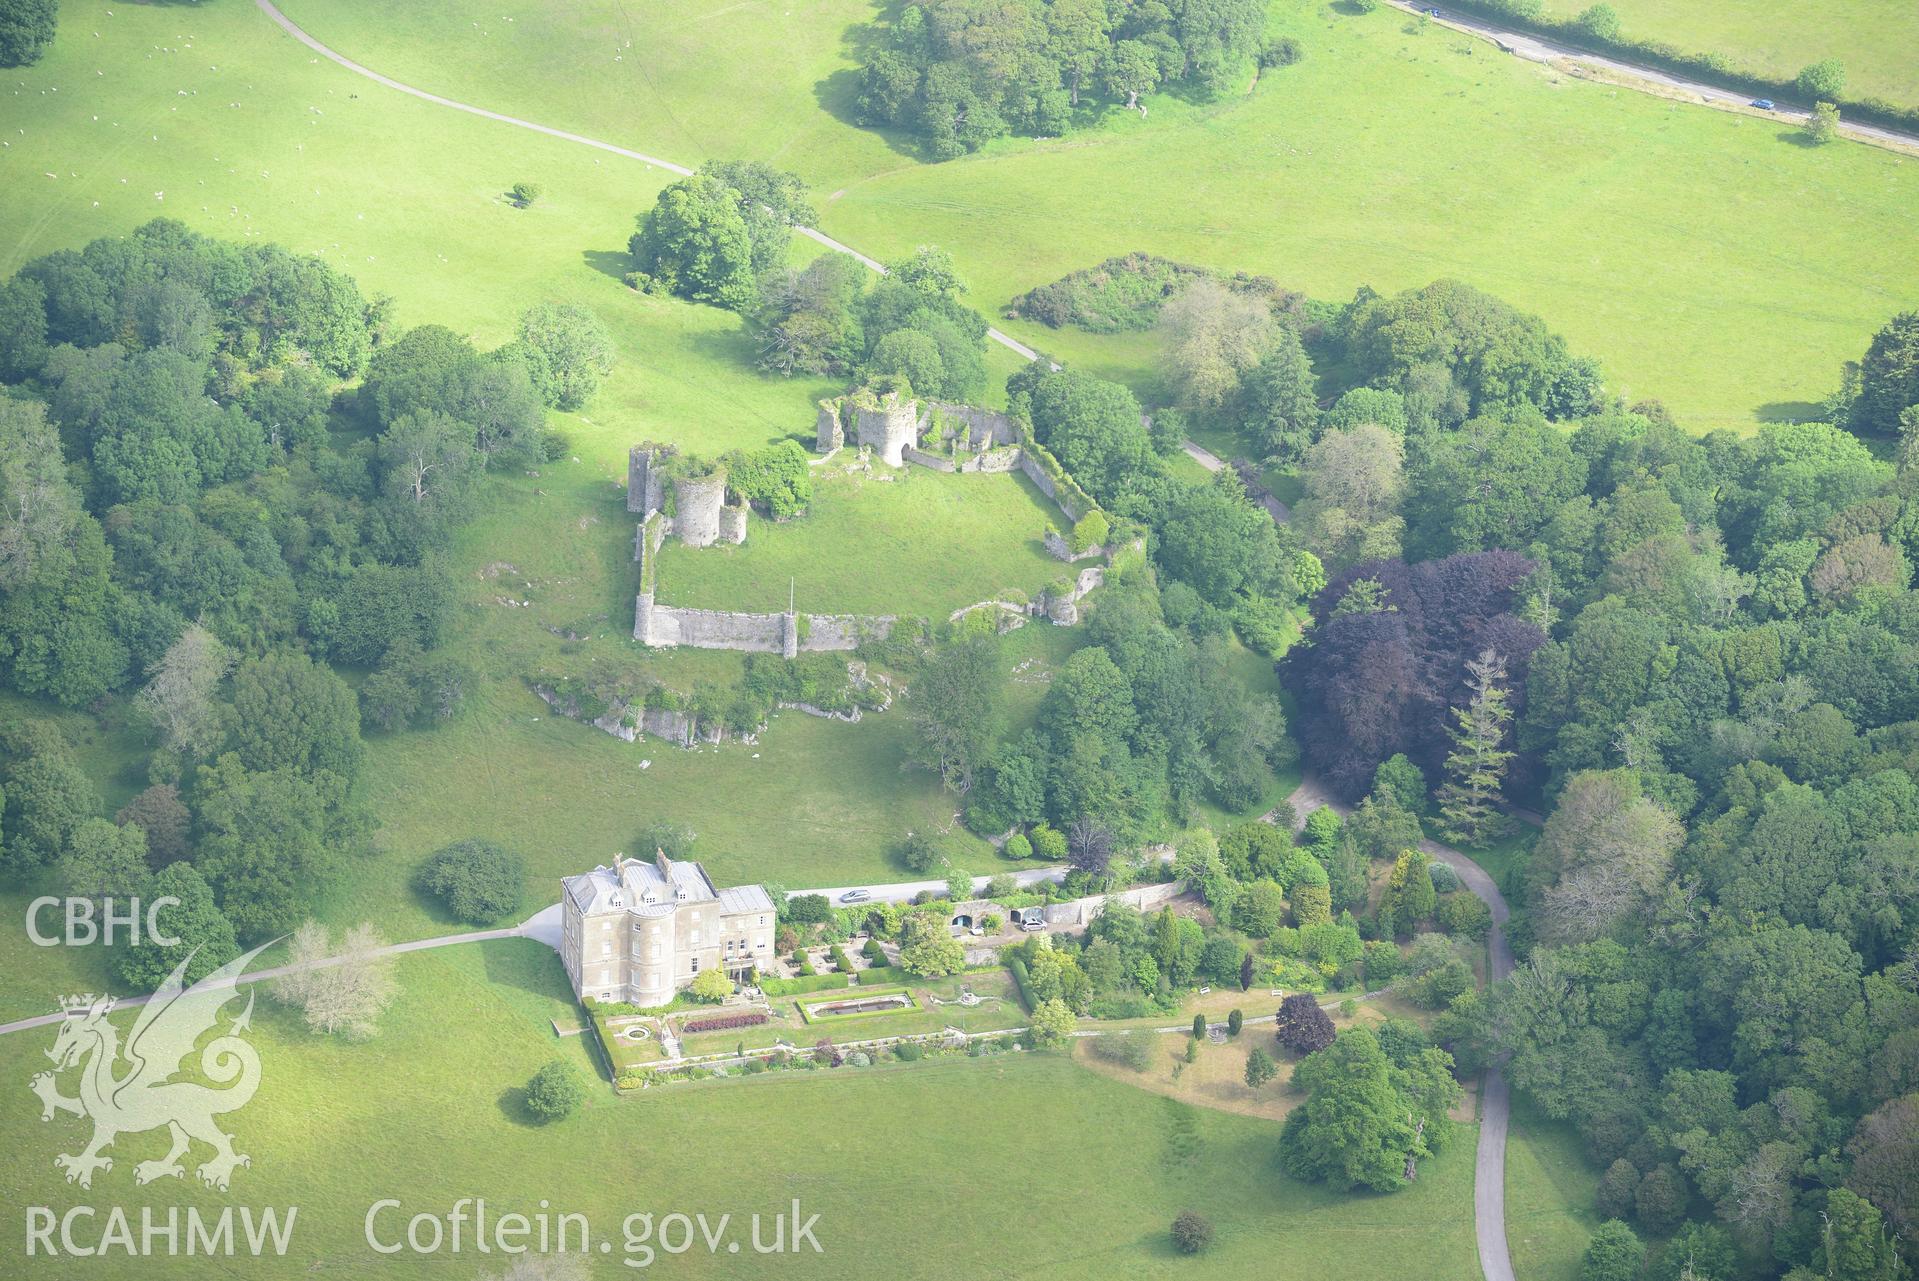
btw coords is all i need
(512, 1105)
(1800, 138)
(838, 97)
(608, 263)
(1790, 411)
(527, 964)
(838, 94)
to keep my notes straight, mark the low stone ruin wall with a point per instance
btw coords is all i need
(984, 426)
(1037, 474)
(666, 625)
(937, 462)
(1060, 549)
(992, 462)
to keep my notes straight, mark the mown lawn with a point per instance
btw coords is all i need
(992, 1161)
(907, 542)
(1876, 40)
(1549, 1196)
(1707, 259)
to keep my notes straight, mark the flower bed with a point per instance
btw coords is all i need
(724, 1023)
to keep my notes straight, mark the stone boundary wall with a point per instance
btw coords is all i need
(1037, 474)
(668, 625)
(1081, 911)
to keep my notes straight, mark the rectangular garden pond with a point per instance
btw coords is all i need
(856, 1005)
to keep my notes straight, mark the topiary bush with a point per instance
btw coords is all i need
(555, 1092)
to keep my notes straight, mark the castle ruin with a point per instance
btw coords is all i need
(895, 430)
(701, 515)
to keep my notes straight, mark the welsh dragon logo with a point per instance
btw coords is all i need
(131, 1089)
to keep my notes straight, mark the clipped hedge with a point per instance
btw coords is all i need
(1710, 68)
(1024, 982)
(879, 974)
(800, 986)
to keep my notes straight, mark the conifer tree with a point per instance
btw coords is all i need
(1477, 764)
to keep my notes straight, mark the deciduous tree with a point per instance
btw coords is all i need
(1302, 1026)
(349, 991)
(181, 697)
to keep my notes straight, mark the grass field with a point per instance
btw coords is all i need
(213, 116)
(909, 542)
(1217, 1077)
(1707, 259)
(1549, 1197)
(1002, 1145)
(1877, 40)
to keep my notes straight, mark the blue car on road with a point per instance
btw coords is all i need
(1764, 104)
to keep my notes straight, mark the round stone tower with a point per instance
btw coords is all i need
(698, 500)
(888, 426)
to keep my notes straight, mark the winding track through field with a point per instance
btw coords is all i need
(287, 25)
(1489, 1185)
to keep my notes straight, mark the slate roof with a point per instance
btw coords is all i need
(657, 888)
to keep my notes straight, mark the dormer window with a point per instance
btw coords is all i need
(615, 900)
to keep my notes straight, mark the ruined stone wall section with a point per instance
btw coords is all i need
(832, 632)
(984, 426)
(828, 433)
(698, 500)
(1060, 548)
(645, 485)
(936, 462)
(668, 625)
(733, 524)
(1037, 474)
(993, 462)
